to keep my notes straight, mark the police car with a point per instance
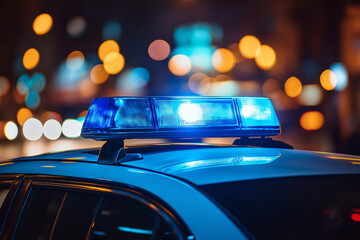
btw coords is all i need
(256, 188)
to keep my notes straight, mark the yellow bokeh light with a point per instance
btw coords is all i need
(180, 65)
(328, 80)
(312, 120)
(223, 60)
(114, 63)
(293, 87)
(159, 50)
(42, 24)
(265, 57)
(22, 115)
(98, 75)
(31, 58)
(249, 46)
(75, 60)
(106, 48)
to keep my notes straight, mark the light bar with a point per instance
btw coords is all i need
(179, 117)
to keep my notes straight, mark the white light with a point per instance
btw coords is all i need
(52, 129)
(311, 95)
(190, 112)
(71, 128)
(341, 75)
(11, 130)
(32, 129)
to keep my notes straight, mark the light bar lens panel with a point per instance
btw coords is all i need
(119, 113)
(257, 112)
(196, 113)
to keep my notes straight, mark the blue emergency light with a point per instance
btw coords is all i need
(179, 117)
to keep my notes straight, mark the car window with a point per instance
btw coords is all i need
(71, 214)
(124, 219)
(39, 214)
(4, 190)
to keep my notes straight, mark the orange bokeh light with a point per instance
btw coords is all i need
(328, 80)
(98, 75)
(180, 65)
(108, 47)
(31, 58)
(223, 60)
(114, 62)
(265, 57)
(312, 120)
(22, 115)
(249, 46)
(293, 87)
(42, 24)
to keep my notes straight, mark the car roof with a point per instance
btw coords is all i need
(208, 164)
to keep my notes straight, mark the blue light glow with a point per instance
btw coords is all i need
(182, 117)
(38, 82)
(341, 75)
(257, 112)
(135, 230)
(205, 113)
(32, 100)
(111, 31)
(23, 84)
(67, 79)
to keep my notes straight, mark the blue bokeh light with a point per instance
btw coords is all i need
(341, 75)
(32, 100)
(111, 31)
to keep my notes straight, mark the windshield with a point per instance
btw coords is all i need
(310, 207)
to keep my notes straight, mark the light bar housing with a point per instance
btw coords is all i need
(179, 117)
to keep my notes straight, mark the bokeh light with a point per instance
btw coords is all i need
(293, 87)
(114, 62)
(312, 120)
(32, 100)
(224, 88)
(328, 80)
(199, 83)
(37, 82)
(132, 80)
(71, 128)
(223, 60)
(75, 60)
(32, 129)
(31, 58)
(159, 50)
(42, 24)
(111, 30)
(23, 83)
(341, 75)
(47, 115)
(98, 75)
(52, 129)
(76, 26)
(4, 85)
(11, 130)
(180, 65)
(265, 57)
(106, 48)
(22, 115)
(249, 46)
(2, 129)
(311, 95)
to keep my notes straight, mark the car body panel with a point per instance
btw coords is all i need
(197, 211)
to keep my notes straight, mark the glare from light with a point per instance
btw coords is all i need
(31, 58)
(106, 48)
(52, 129)
(22, 115)
(98, 75)
(311, 95)
(76, 26)
(42, 24)
(159, 50)
(265, 57)
(190, 112)
(249, 46)
(312, 120)
(75, 60)
(71, 128)
(33, 129)
(328, 80)
(114, 62)
(4, 85)
(11, 130)
(180, 65)
(293, 87)
(223, 60)
(341, 75)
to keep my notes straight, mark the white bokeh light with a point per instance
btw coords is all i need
(11, 130)
(71, 128)
(52, 129)
(33, 129)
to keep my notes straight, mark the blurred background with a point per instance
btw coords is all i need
(55, 56)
